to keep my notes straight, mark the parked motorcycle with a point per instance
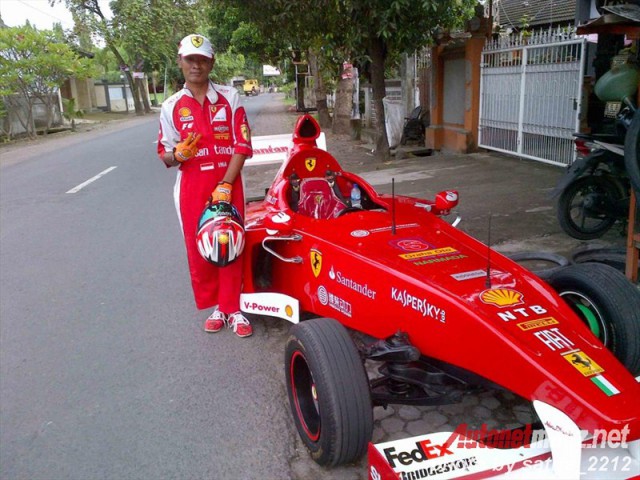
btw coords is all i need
(593, 194)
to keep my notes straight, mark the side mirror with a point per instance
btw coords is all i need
(445, 201)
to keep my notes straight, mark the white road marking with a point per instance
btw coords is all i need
(91, 180)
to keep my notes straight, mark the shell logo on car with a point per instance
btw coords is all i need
(502, 297)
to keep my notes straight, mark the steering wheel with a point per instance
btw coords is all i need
(348, 210)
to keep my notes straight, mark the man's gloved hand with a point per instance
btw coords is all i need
(187, 148)
(222, 193)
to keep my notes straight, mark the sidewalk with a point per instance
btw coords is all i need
(508, 195)
(511, 194)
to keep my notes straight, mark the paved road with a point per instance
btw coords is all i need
(105, 371)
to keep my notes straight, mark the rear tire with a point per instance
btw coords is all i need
(608, 303)
(328, 392)
(585, 207)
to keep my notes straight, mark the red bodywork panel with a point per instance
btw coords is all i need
(418, 274)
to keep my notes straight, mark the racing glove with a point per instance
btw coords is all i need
(222, 193)
(187, 148)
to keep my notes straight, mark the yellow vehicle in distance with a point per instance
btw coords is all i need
(251, 87)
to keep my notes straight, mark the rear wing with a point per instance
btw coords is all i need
(271, 149)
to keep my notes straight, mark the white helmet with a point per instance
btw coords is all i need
(220, 236)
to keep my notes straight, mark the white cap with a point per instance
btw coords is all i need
(195, 45)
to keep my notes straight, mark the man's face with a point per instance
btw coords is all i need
(196, 68)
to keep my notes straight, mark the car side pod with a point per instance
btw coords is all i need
(559, 452)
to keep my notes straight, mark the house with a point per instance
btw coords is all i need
(534, 14)
(481, 66)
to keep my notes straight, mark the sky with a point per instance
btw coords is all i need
(39, 13)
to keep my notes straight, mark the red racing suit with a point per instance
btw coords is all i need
(222, 121)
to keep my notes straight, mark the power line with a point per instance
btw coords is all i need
(43, 12)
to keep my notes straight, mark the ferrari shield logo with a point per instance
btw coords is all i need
(316, 262)
(583, 363)
(197, 41)
(310, 163)
(245, 132)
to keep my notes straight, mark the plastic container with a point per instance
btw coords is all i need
(356, 196)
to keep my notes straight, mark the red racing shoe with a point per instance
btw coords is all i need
(240, 325)
(216, 322)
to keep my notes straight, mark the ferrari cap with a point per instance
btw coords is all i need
(195, 45)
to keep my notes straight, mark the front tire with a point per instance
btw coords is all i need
(586, 208)
(328, 392)
(608, 303)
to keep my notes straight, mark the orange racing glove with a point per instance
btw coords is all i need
(187, 148)
(222, 193)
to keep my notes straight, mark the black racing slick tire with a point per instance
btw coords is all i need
(632, 153)
(585, 206)
(608, 303)
(328, 392)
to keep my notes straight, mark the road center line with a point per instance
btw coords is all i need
(91, 180)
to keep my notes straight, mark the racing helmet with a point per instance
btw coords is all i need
(220, 236)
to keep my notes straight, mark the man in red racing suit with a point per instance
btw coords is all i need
(205, 133)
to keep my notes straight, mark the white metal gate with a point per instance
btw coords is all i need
(530, 95)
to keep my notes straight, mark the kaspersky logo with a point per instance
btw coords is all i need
(424, 450)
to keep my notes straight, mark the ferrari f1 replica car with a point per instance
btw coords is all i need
(365, 276)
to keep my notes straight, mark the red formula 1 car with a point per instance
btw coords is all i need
(376, 277)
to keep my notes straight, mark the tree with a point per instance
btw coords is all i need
(227, 66)
(34, 64)
(381, 28)
(141, 34)
(368, 32)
